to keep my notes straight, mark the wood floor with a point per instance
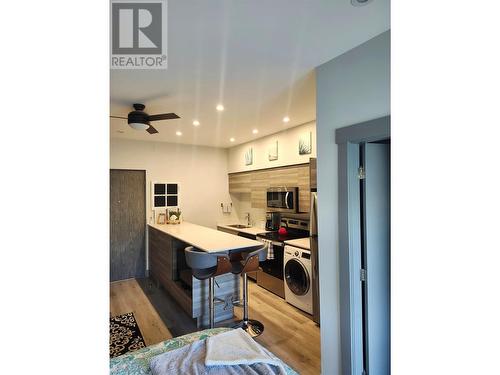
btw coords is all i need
(127, 296)
(288, 332)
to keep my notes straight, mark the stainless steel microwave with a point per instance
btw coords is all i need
(283, 198)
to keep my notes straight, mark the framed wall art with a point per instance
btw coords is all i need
(272, 151)
(249, 156)
(305, 143)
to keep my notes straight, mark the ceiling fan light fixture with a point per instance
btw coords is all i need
(138, 126)
(360, 3)
(140, 120)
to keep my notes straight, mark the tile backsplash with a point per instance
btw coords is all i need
(242, 204)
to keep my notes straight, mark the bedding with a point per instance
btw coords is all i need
(233, 353)
(138, 362)
(236, 347)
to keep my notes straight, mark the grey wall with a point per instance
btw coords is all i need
(351, 88)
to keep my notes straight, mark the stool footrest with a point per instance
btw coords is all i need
(227, 301)
(238, 303)
(253, 327)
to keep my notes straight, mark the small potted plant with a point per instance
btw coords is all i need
(174, 216)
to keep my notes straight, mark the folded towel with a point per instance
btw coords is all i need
(270, 250)
(190, 359)
(236, 347)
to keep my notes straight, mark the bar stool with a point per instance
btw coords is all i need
(206, 266)
(242, 263)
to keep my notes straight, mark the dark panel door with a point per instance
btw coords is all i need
(127, 224)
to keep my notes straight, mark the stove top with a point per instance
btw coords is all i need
(275, 236)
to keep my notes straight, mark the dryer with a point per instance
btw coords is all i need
(297, 274)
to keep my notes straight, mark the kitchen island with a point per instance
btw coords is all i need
(167, 266)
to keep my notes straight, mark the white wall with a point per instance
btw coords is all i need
(200, 171)
(288, 154)
(288, 150)
(351, 88)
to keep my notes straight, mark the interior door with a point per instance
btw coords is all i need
(376, 204)
(127, 224)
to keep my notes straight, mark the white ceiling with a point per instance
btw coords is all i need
(256, 57)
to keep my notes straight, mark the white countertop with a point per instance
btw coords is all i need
(303, 243)
(252, 230)
(206, 239)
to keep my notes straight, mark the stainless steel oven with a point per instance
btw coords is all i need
(271, 275)
(283, 198)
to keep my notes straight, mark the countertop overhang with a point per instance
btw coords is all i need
(206, 239)
(304, 243)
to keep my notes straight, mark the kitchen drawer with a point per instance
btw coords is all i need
(271, 283)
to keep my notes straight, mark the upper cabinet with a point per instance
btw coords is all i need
(240, 182)
(313, 173)
(304, 189)
(257, 182)
(260, 183)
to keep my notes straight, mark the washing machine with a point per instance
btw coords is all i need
(297, 274)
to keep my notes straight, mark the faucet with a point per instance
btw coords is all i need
(247, 218)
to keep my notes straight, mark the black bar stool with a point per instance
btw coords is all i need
(206, 266)
(242, 263)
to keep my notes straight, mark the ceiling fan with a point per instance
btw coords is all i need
(139, 120)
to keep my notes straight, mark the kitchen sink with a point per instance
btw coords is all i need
(239, 226)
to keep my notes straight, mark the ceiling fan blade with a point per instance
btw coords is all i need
(151, 130)
(125, 118)
(163, 116)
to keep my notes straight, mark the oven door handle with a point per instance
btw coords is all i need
(274, 243)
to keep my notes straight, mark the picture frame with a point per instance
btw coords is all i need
(249, 156)
(305, 143)
(272, 151)
(161, 219)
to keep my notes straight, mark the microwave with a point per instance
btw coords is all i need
(283, 199)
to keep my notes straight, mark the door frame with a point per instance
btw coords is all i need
(348, 139)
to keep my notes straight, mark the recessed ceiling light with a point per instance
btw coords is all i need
(231, 139)
(286, 119)
(255, 131)
(219, 107)
(178, 133)
(196, 123)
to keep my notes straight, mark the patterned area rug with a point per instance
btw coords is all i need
(124, 335)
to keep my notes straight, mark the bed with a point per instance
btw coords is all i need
(137, 362)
